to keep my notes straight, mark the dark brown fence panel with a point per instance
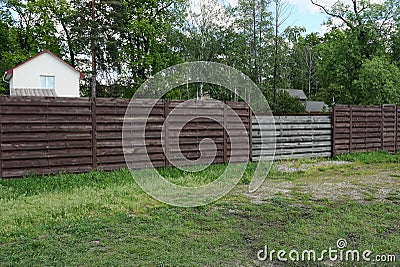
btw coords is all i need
(52, 135)
(365, 128)
(398, 130)
(245, 146)
(109, 116)
(46, 136)
(190, 136)
(389, 126)
(154, 122)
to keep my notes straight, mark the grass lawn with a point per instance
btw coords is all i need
(104, 219)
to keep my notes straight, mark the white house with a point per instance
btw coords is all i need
(44, 75)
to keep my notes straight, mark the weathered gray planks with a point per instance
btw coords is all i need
(297, 136)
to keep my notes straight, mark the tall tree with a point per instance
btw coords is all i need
(62, 14)
(147, 47)
(30, 29)
(281, 14)
(24, 32)
(98, 28)
(360, 31)
(303, 59)
(378, 82)
(253, 44)
(93, 49)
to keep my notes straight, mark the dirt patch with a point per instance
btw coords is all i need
(295, 166)
(332, 180)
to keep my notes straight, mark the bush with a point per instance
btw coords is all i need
(287, 104)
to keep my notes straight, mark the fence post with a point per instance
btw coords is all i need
(250, 134)
(94, 132)
(382, 127)
(1, 138)
(394, 113)
(333, 122)
(225, 145)
(396, 137)
(351, 130)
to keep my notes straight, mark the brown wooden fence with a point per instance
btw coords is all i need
(52, 135)
(366, 128)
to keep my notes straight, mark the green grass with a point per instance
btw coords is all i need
(98, 219)
(370, 157)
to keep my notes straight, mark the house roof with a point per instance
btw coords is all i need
(33, 92)
(315, 106)
(8, 74)
(296, 93)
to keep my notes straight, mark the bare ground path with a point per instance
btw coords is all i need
(331, 180)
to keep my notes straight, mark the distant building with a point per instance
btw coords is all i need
(316, 106)
(296, 93)
(44, 75)
(311, 106)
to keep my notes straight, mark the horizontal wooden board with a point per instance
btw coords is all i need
(49, 135)
(365, 128)
(292, 136)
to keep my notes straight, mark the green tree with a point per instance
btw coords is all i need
(100, 33)
(5, 21)
(378, 82)
(147, 47)
(287, 104)
(24, 32)
(31, 30)
(303, 60)
(62, 13)
(253, 22)
(359, 33)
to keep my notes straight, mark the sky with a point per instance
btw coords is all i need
(305, 14)
(310, 16)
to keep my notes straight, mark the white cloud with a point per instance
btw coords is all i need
(232, 2)
(207, 11)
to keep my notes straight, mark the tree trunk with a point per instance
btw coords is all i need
(276, 52)
(93, 48)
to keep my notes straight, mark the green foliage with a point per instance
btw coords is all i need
(287, 104)
(303, 60)
(338, 67)
(131, 38)
(24, 32)
(378, 82)
(353, 63)
(147, 49)
(354, 54)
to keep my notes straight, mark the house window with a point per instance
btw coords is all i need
(47, 82)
